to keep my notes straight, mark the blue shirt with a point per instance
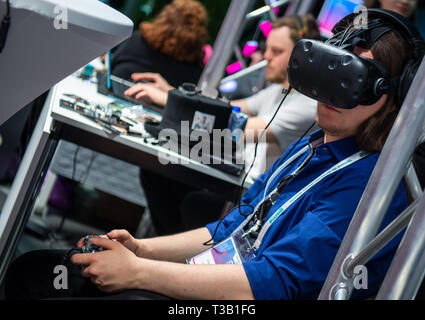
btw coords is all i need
(298, 250)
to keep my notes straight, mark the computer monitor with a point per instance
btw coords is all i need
(244, 83)
(333, 11)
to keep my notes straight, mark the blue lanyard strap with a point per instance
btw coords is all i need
(342, 164)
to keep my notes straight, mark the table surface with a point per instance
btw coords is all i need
(88, 91)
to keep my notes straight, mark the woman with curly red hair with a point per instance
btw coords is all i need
(170, 45)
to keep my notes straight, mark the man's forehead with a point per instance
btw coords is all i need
(279, 37)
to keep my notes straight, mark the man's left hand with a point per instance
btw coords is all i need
(114, 269)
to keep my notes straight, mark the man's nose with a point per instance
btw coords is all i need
(267, 56)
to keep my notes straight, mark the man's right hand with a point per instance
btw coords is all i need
(149, 93)
(154, 79)
(122, 236)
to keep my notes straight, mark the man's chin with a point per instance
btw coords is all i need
(275, 77)
(275, 80)
(327, 127)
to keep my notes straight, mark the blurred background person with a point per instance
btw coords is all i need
(171, 45)
(403, 7)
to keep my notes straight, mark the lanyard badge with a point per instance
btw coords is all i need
(242, 245)
(234, 250)
(238, 248)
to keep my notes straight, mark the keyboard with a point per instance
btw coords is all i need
(118, 87)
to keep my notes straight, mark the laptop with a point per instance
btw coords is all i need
(117, 88)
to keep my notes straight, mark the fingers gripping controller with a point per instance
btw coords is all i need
(89, 247)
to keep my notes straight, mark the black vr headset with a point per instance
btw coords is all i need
(331, 73)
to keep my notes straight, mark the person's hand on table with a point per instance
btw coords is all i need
(149, 93)
(154, 79)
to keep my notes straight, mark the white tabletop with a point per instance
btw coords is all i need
(88, 91)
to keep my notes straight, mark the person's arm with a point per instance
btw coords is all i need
(153, 78)
(254, 127)
(117, 268)
(243, 105)
(206, 282)
(149, 93)
(175, 248)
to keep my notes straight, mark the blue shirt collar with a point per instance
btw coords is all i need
(341, 149)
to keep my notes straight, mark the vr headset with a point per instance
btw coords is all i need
(331, 73)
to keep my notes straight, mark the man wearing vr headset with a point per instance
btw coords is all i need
(282, 241)
(180, 213)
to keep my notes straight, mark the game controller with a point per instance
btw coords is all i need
(88, 246)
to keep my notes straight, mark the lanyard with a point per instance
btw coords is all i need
(342, 164)
(269, 181)
(283, 166)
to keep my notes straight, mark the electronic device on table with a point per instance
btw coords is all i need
(115, 117)
(117, 88)
(106, 117)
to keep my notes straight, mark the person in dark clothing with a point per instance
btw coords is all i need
(136, 56)
(171, 45)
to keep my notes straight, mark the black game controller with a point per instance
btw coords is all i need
(89, 247)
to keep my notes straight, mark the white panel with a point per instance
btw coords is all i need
(37, 55)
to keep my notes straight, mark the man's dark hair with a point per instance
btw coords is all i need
(393, 51)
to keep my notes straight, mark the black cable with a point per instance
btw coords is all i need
(5, 25)
(340, 41)
(286, 92)
(86, 174)
(83, 178)
(74, 162)
(256, 147)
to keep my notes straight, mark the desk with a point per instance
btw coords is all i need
(57, 123)
(76, 128)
